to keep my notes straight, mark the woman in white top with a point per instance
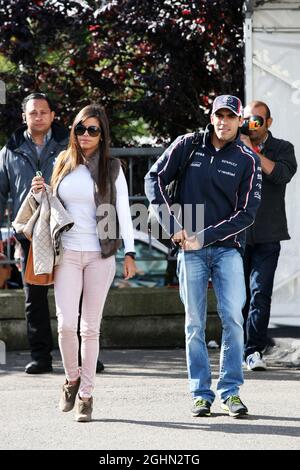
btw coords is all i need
(93, 189)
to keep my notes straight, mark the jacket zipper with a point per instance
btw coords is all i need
(209, 171)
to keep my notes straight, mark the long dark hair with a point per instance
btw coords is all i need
(73, 156)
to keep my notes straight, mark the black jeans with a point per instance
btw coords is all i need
(37, 316)
(260, 262)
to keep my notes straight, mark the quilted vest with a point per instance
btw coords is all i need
(108, 218)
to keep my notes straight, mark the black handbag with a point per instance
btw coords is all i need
(173, 190)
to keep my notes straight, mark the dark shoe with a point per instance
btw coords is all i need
(68, 396)
(99, 367)
(201, 407)
(234, 406)
(36, 367)
(83, 412)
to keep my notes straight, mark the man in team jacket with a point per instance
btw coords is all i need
(223, 178)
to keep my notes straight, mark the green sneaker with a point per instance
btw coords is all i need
(201, 407)
(234, 406)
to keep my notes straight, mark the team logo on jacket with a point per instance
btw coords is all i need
(229, 173)
(197, 164)
(257, 195)
(247, 150)
(228, 162)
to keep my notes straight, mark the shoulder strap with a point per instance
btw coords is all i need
(195, 143)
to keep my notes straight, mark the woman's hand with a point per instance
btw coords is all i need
(129, 268)
(38, 184)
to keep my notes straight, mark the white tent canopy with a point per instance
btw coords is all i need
(272, 67)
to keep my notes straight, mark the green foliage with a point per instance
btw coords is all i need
(159, 62)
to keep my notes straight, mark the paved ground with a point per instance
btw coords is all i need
(142, 402)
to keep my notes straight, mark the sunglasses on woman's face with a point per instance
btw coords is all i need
(93, 131)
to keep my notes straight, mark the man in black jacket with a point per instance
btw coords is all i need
(278, 164)
(222, 179)
(33, 147)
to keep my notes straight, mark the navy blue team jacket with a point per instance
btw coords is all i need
(226, 182)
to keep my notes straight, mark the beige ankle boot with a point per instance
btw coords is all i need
(68, 396)
(83, 410)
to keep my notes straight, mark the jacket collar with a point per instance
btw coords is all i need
(59, 134)
(270, 140)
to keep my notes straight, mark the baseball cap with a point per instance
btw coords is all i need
(229, 102)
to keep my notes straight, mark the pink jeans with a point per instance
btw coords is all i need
(80, 271)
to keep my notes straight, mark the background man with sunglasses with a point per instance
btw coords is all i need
(278, 164)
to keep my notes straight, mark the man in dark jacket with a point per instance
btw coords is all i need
(278, 164)
(222, 178)
(33, 147)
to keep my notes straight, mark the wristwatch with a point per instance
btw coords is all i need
(131, 254)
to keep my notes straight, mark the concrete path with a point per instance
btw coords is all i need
(142, 402)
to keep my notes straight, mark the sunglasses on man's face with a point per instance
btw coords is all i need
(93, 131)
(254, 122)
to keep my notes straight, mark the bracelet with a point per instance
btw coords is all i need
(131, 254)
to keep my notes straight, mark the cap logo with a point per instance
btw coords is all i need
(227, 100)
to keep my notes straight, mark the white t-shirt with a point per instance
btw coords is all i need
(76, 191)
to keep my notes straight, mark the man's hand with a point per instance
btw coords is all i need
(246, 140)
(186, 242)
(191, 243)
(179, 238)
(267, 165)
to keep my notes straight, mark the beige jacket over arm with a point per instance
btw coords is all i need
(42, 224)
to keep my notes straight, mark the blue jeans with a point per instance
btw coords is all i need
(260, 262)
(225, 267)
